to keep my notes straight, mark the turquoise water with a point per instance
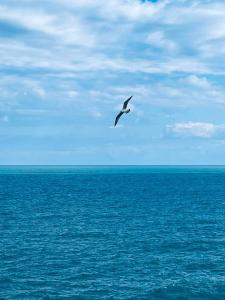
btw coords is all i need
(112, 232)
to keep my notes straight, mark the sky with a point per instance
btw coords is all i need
(66, 67)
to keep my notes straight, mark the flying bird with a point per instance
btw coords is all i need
(124, 110)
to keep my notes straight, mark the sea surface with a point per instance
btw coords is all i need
(102, 232)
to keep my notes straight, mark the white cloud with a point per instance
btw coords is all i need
(128, 10)
(34, 87)
(195, 129)
(72, 94)
(158, 39)
(65, 28)
(70, 36)
(200, 82)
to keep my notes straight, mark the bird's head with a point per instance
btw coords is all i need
(128, 111)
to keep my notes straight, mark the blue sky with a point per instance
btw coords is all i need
(67, 65)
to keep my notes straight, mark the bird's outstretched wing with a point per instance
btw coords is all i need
(117, 118)
(126, 102)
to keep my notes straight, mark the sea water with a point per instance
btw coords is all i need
(102, 232)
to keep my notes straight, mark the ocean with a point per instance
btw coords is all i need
(103, 232)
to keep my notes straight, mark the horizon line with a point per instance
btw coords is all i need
(112, 165)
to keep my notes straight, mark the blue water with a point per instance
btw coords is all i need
(112, 233)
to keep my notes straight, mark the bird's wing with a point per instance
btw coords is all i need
(117, 118)
(126, 102)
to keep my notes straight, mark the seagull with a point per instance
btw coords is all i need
(124, 110)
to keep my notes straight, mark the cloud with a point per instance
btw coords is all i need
(70, 30)
(35, 87)
(52, 31)
(130, 10)
(195, 129)
(200, 82)
(158, 39)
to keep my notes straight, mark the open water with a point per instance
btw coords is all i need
(112, 232)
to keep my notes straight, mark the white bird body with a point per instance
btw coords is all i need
(125, 111)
